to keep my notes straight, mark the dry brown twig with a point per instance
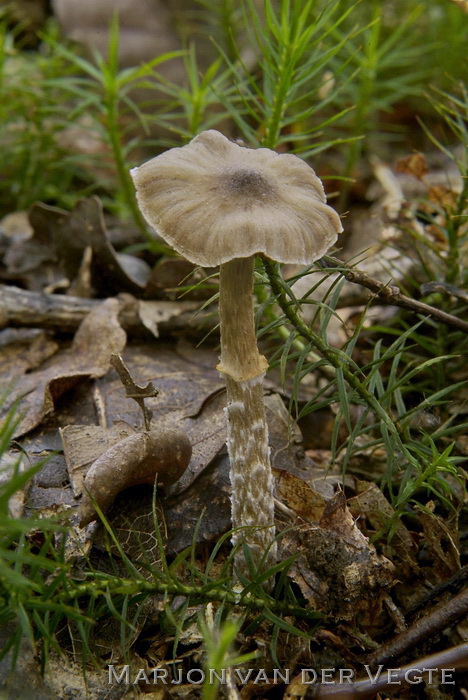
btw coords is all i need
(390, 294)
(389, 679)
(20, 308)
(439, 618)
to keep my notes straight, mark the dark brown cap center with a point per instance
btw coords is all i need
(247, 184)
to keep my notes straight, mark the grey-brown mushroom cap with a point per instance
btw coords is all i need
(213, 200)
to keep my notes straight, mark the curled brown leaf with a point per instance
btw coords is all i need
(142, 458)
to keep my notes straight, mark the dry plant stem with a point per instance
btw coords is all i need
(450, 586)
(441, 617)
(56, 312)
(390, 294)
(249, 454)
(450, 659)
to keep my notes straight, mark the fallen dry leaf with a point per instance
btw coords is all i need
(25, 259)
(190, 397)
(374, 513)
(202, 512)
(83, 444)
(414, 164)
(299, 496)
(337, 568)
(13, 463)
(70, 233)
(22, 350)
(98, 336)
(183, 385)
(153, 313)
(442, 542)
(140, 458)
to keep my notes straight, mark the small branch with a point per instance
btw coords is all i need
(451, 586)
(448, 660)
(390, 294)
(439, 618)
(57, 312)
(444, 288)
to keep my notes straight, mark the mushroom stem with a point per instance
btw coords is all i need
(244, 368)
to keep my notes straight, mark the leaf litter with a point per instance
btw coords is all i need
(341, 568)
(88, 356)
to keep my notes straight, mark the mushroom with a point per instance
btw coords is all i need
(218, 203)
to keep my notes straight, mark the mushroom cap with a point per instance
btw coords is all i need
(213, 200)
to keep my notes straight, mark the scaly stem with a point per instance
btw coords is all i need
(249, 454)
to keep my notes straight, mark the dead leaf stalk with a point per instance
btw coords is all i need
(440, 618)
(453, 658)
(390, 294)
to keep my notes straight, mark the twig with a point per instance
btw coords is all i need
(55, 312)
(444, 288)
(447, 660)
(440, 617)
(452, 585)
(390, 294)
